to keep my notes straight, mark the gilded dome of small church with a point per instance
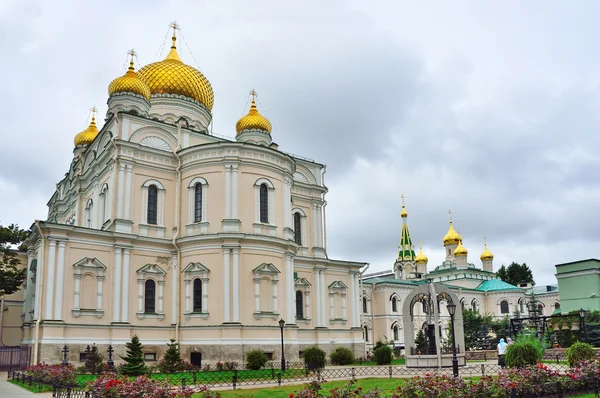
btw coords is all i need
(421, 258)
(452, 237)
(253, 120)
(129, 83)
(172, 76)
(486, 255)
(460, 250)
(88, 135)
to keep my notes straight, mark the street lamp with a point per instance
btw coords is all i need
(281, 325)
(582, 331)
(452, 310)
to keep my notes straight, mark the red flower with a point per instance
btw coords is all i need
(291, 395)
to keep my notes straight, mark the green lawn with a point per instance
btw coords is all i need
(33, 388)
(400, 361)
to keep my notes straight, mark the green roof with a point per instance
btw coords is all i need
(376, 281)
(405, 249)
(496, 285)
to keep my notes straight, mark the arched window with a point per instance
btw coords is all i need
(150, 297)
(366, 334)
(557, 306)
(396, 329)
(475, 305)
(462, 305)
(394, 304)
(197, 295)
(264, 203)
(88, 213)
(103, 204)
(299, 305)
(365, 305)
(152, 204)
(504, 307)
(521, 306)
(198, 202)
(297, 228)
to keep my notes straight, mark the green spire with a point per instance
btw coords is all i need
(406, 250)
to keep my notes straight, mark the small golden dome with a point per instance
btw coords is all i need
(253, 120)
(421, 258)
(88, 135)
(172, 76)
(486, 255)
(452, 237)
(460, 250)
(129, 83)
(403, 213)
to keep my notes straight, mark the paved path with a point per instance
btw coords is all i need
(8, 390)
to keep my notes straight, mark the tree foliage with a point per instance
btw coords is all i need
(11, 276)
(134, 358)
(420, 341)
(93, 361)
(172, 361)
(515, 274)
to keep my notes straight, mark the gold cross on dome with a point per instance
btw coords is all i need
(132, 53)
(175, 26)
(93, 110)
(253, 93)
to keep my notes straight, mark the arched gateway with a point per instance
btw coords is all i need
(433, 297)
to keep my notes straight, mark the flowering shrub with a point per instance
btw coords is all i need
(52, 374)
(313, 390)
(113, 386)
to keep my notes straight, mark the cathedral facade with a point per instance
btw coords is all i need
(476, 286)
(162, 230)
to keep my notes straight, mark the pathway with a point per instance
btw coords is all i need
(8, 390)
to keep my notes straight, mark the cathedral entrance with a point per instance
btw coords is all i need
(196, 359)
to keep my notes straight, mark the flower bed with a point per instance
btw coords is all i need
(113, 386)
(52, 374)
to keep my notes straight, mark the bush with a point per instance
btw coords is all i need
(256, 359)
(342, 356)
(579, 352)
(383, 355)
(134, 358)
(526, 350)
(314, 358)
(171, 361)
(52, 374)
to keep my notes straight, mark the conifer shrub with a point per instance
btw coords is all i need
(256, 359)
(134, 358)
(314, 358)
(171, 361)
(527, 350)
(383, 355)
(341, 356)
(93, 361)
(580, 352)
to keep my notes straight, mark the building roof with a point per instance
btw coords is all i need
(580, 261)
(542, 289)
(376, 281)
(496, 285)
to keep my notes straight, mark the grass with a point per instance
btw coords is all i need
(33, 388)
(400, 361)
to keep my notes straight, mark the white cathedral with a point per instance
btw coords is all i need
(162, 230)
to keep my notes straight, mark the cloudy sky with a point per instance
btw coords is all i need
(490, 109)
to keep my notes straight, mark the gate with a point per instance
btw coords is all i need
(14, 358)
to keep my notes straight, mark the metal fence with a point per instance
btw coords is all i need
(14, 358)
(299, 375)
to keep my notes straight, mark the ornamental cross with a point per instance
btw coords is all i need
(253, 93)
(402, 196)
(450, 214)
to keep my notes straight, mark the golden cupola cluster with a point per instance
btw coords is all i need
(452, 237)
(253, 120)
(129, 82)
(486, 255)
(172, 76)
(88, 135)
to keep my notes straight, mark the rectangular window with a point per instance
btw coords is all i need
(269, 355)
(149, 356)
(197, 295)
(82, 357)
(264, 204)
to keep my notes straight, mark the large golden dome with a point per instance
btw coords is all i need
(172, 76)
(129, 83)
(460, 250)
(88, 135)
(253, 120)
(452, 237)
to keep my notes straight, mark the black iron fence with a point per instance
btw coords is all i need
(299, 375)
(14, 358)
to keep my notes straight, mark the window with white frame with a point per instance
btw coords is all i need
(395, 300)
(365, 305)
(153, 202)
(337, 301)
(104, 201)
(396, 331)
(302, 286)
(196, 290)
(366, 333)
(198, 197)
(151, 286)
(89, 210)
(264, 197)
(266, 279)
(475, 305)
(89, 278)
(299, 219)
(504, 308)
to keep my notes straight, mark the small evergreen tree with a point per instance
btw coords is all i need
(134, 358)
(420, 341)
(93, 361)
(172, 362)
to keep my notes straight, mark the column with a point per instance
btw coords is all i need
(99, 296)
(289, 287)
(275, 287)
(37, 309)
(352, 300)
(161, 295)
(234, 195)
(174, 288)
(128, 192)
(60, 277)
(256, 293)
(319, 226)
(95, 216)
(125, 284)
(205, 294)
(235, 275)
(315, 234)
(323, 287)
(358, 299)
(287, 197)
(344, 310)
(140, 293)
(226, 284)
(50, 287)
(318, 305)
(77, 297)
(188, 308)
(227, 191)
(117, 285)
(331, 307)
(120, 190)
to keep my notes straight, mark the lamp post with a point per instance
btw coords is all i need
(582, 331)
(452, 310)
(281, 325)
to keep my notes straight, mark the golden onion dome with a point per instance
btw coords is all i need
(129, 83)
(172, 76)
(460, 250)
(253, 120)
(452, 237)
(403, 213)
(421, 258)
(88, 135)
(486, 255)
